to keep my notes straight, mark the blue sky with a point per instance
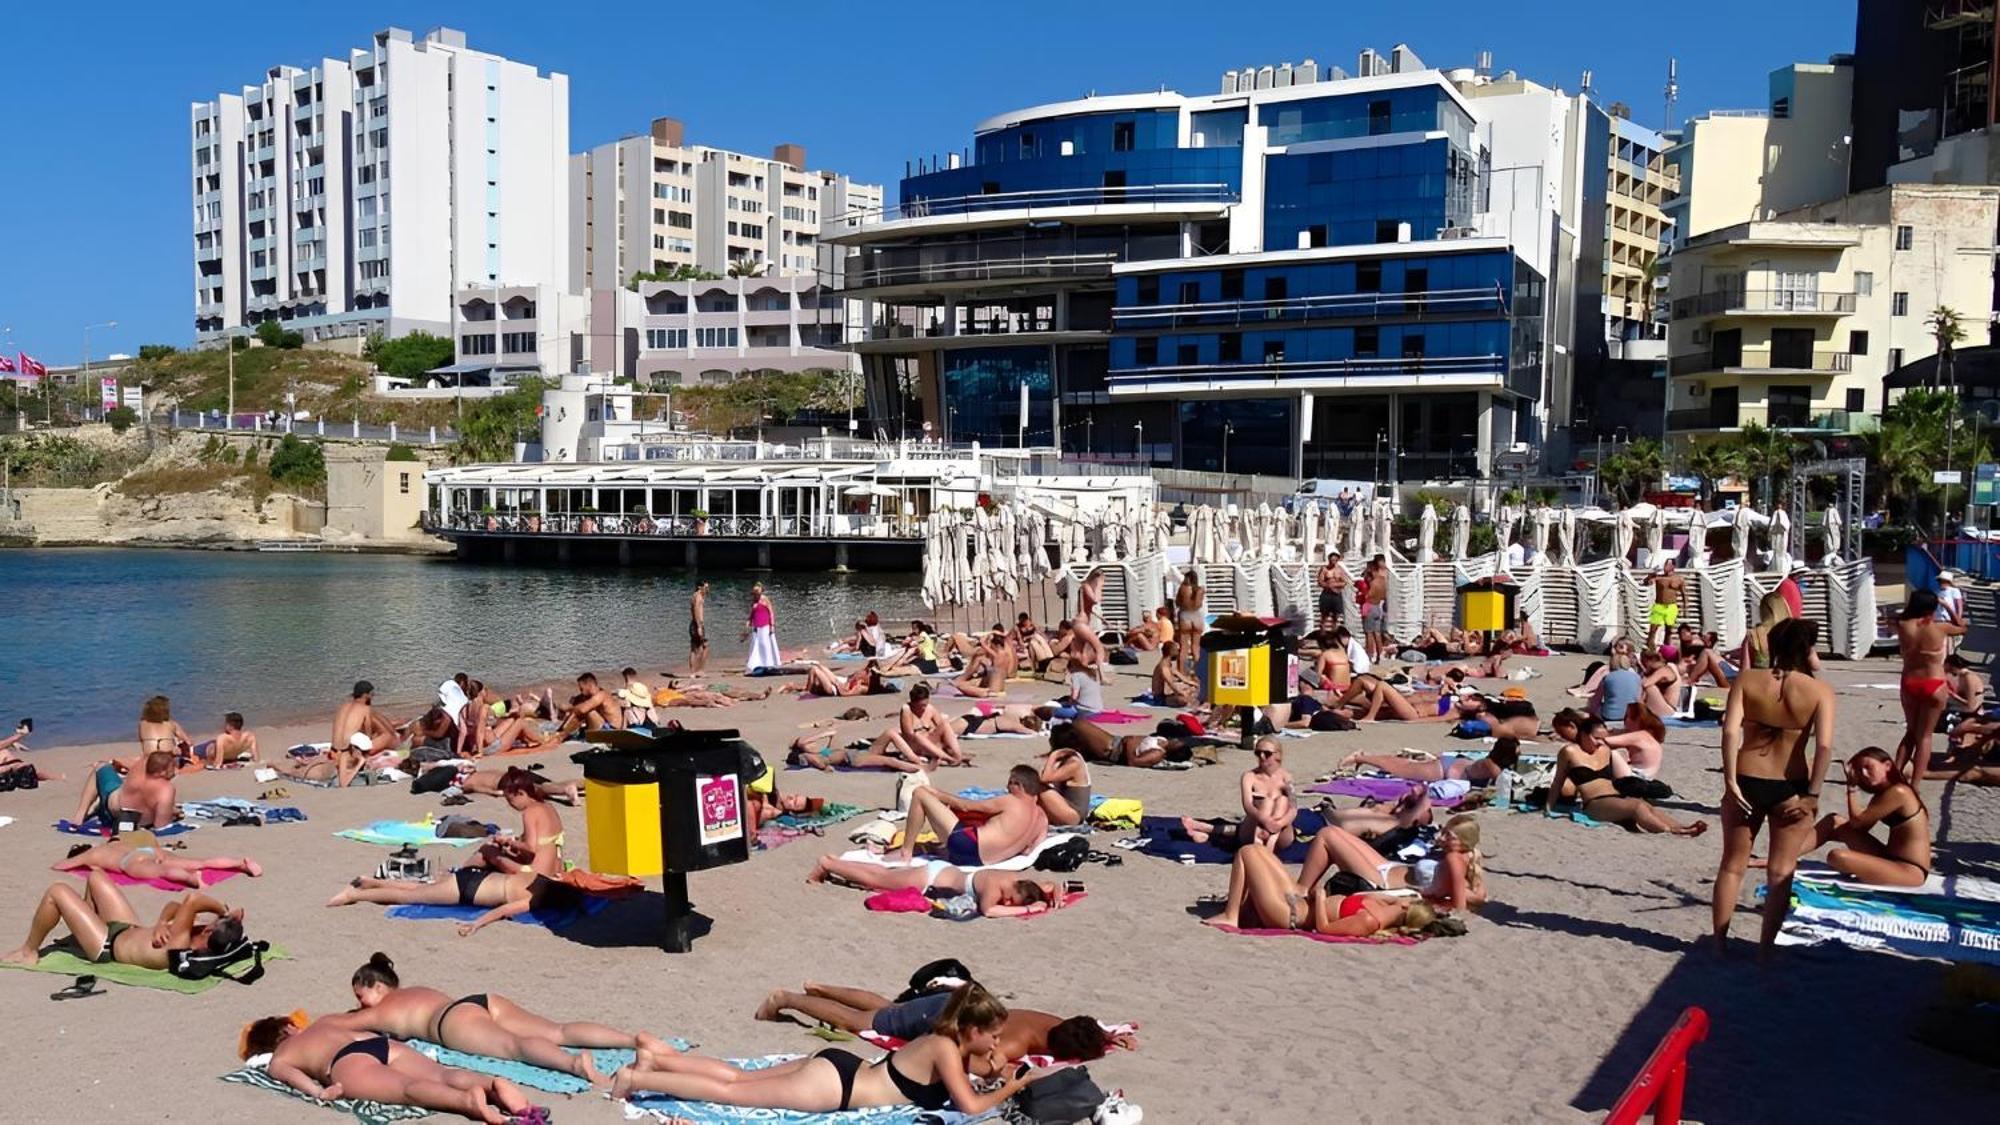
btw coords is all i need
(94, 212)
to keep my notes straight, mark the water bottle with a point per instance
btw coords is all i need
(1503, 789)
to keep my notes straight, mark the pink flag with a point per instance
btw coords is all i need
(32, 367)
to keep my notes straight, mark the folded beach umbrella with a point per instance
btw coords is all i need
(1566, 537)
(1781, 541)
(1427, 529)
(1543, 518)
(1832, 528)
(1461, 531)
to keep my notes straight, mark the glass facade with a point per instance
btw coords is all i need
(1357, 196)
(1083, 134)
(1215, 174)
(982, 395)
(1256, 432)
(1412, 109)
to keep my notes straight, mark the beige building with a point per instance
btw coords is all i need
(372, 498)
(1741, 165)
(655, 202)
(1642, 185)
(1791, 322)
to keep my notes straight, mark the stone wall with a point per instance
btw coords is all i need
(52, 517)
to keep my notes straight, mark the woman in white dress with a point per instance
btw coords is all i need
(762, 634)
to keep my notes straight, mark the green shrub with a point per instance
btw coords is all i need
(400, 452)
(121, 418)
(156, 351)
(408, 357)
(239, 343)
(298, 463)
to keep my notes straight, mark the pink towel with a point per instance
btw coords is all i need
(209, 877)
(1119, 718)
(902, 900)
(1331, 939)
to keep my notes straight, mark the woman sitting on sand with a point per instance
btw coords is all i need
(1066, 791)
(929, 1072)
(1469, 768)
(1101, 747)
(137, 856)
(507, 894)
(1905, 860)
(538, 846)
(996, 894)
(482, 1023)
(1173, 687)
(817, 751)
(1262, 895)
(821, 683)
(1269, 806)
(329, 1061)
(1642, 743)
(1450, 876)
(1588, 766)
(1660, 684)
(1594, 672)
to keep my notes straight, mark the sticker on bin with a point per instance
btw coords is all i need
(721, 801)
(1232, 671)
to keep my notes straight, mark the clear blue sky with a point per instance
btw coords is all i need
(94, 213)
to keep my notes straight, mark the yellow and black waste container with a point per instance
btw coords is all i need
(1252, 662)
(667, 804)
(1486, 605)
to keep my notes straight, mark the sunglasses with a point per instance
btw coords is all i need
(1266, 753)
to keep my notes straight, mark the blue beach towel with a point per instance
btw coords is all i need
(535, 1077)
(397, 833)
(663, 1108)
(92, 826)
(1920, 925)
(548, 919)
(1159, 832)
(1563, 812)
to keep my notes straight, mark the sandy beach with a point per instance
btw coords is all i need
(1542, 1012)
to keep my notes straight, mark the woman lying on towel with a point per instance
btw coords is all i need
(929, 1072)
(506, 894)
(1451, 876)
(1143, 751)
(1905, 860)
(1262, 895)
(887, 752)
(1025, 1031)
(327, 1060)
(1269, 806)
(997, 894)
(131, 856)
(482, 1023)
(1371, 698)
(1013, 718)
(821, 683)
(1588, 766)
(1445, 767)
(104, 927)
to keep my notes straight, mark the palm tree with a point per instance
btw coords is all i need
(1626, 473)
(1767, 456)
(1948, 332)
(747, 267)
(1920, 434)
(1712, 461)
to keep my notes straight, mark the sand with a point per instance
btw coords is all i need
(1543, 1011)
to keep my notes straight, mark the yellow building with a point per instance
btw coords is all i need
(1741, 165)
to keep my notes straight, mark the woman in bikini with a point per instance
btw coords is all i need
(1452, 876)
(1269, 806)
(1595, 671)
(159, 732)
(1065, 794)
(1262, 894)
(1588, 766)
(1445, 767)
(328, 1060)
(1504, 717)
(817, 751)
(1905, 860)
(1660, 684)
(131, 857)
(538, 846)
(1771, 714)
(1925, 693)
(104, 928)
(1188, 602)
(1100, 746)
(1641, 744)
(506, 894)
(823, 684)
(929, 1072)
(1014, 718)
(997, 894)
(1756, 650)
(1370, 698)
(483, 1023)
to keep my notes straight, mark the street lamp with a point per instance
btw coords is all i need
(86, 360)
(1139, 441)
(1227, 429)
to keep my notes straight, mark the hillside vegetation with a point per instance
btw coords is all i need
(327, 385)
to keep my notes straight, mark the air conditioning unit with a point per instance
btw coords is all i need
(1697, 388)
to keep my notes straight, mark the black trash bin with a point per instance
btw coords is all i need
(668, 804)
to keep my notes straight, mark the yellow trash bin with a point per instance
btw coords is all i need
(1486, 606)
(624, 823)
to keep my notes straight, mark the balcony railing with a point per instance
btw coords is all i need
(1764, 301)
(1789, 421)
(1363, 305)
(1102, 196)
(1279, 371)
(1760, 359)
(989, 269)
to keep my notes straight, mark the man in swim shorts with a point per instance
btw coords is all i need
(1666, 612)
(143, 797)
(1011, 824)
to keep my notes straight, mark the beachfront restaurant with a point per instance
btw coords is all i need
(862, 515)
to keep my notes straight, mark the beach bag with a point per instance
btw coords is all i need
(941, 975)
(1118, 812)
(1472, 728)
(190, 965)
(1330, 720)
(1067, 855)
(1707, 711)
(907, 785)
(1124, 656)
(1645, 789)
(461, 828)
(1062, 1098)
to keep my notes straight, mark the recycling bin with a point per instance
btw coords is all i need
(1486, 605)
(667, 804)
(1252, 662)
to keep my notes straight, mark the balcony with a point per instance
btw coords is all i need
(1335, 306)
(1755, 361)
(1764, 302)
(1280, 376)
(936, 274)
(1824, 422)
(1166, 197)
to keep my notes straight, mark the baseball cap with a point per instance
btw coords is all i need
(1948, 576)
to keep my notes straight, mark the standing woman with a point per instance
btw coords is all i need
(1772, 713)
(1925, 693)
(1756, 651)
(1188, 602)
(762, 633)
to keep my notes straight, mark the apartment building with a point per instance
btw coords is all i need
(1736, 166)
(655, 203)
(1642, 186)
(1792, 322)
(1923, 74)
(357, 196)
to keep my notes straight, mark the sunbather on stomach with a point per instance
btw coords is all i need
(328, 1060)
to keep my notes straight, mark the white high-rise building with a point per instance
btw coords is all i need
(356, 196)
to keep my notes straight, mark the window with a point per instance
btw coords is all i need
(517, 342)
(1857, 400)
(659, 214)
(1149, 291)
(1124, 136)
(1388, 230)
(1275, 288)
(752, 231)
(1367, 341)
(1190, 292)
(1316, 235)
(1187, 355)
(1899, 304)
(1145, 352)
(680, 220)
(403, 483)
(1274, 351)
(475, 345)
(1027, 145)
(1906, 236)
(1857, 343)
(1378, 117)
(656, 338)
(1788, 407)
(1895, 358)
(1232, 285)
(1114, 178)
(1781, 108)
(1367, 277)
(1864, 283)
(1229, 348)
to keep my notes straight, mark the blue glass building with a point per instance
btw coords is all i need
(1290, 280)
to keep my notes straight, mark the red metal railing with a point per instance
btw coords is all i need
(1662, 1081)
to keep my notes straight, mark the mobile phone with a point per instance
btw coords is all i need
(1073, 887)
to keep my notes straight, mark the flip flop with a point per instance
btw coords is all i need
(85, 985)
(275, 794)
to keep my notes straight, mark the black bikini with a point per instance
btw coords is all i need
(923, 1095)
(376, 1046)
(437, 1025)
(1767, 793)
(1579, 776)
(847, 1064)
(469, 879)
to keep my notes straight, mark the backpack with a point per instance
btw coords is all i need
(925, 980)
(1064, 855)
(187, 964)
(1062, 1098)
(1645, 789)
(1330, 720)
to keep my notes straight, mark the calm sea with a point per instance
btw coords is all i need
(87, 635)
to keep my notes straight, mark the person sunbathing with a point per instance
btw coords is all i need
(821, 683)
(138, 856)
(987, 675)
(1660, 684)
(358, 731)
(115, 795)
(1014, 718)
(1101, 747)
(231, 746)
(504, 894)
(1173, 687)
(1269, 806)
(929, 1072)
(1263, 895)
(591, 708)
(1500, 717)
(679, 693)
(817, 750)
(919, 652)
(1013, 822)
(1476, 769)
(994, 894)
(1905, 859)
(483, 1023)
(538, 846)
(104, 928)
(1065, 796)
(1698, 660)
(1451, 876)
(926, 732)
(1589, 767)
(1023, 1033)
(1371, 822)
(1642, 743)
(328, 1060)
(1030, 646)
(486, 783)
(1369, 698)
(434, 737)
